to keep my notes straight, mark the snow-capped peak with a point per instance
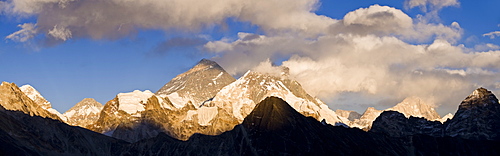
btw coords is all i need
(83, 113)
(242, 95)
(416, 107)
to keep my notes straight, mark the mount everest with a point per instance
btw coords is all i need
(206, 100)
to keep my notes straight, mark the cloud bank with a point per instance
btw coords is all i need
(376, 55)
(111, 19)
(372, 60)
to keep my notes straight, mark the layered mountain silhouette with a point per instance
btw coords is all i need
(205, 111)
(272, 128)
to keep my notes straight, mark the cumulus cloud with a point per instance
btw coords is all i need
(384, 20)
(112, 19)
(371, 60)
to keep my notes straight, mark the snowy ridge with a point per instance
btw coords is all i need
(241, 96)
(34, 95)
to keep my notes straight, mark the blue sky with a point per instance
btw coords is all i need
(95, 62)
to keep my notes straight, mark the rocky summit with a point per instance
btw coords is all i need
(198, 85)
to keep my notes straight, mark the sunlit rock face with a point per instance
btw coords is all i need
(13, 98)
(34, 95)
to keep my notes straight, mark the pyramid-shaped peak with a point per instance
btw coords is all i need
(272, 113)
(198, 84)
(90, 101)
(206, 64)
(479, 97)
(480, 93)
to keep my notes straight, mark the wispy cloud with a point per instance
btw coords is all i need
(492, 34)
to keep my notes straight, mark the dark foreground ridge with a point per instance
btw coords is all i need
(273, 128)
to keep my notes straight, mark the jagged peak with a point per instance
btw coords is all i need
(415, 106)
(479, 97)
(480, 93)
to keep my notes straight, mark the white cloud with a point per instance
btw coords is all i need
(28, 31)
(395, 22)
(492, 34)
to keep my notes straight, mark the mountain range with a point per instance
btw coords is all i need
(205, 111)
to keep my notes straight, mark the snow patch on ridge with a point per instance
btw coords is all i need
(177, 100)
(134, 101)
